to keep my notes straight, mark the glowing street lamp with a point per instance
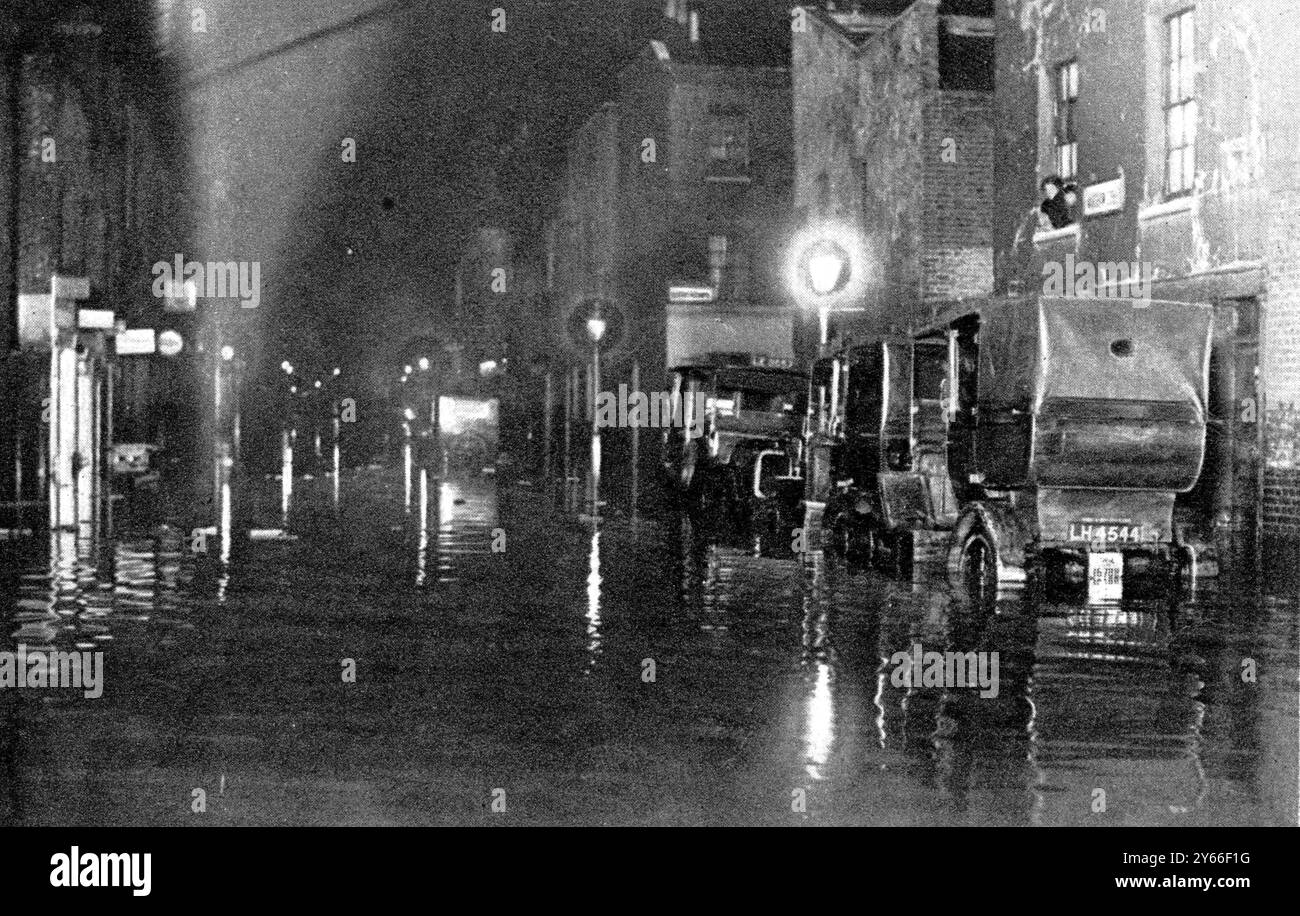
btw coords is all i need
(406, 370)
(424, 364)
(596, 328)
(287, 367)
(825, 269)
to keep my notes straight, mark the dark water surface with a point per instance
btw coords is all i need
(528, 670)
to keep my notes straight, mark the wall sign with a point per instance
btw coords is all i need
(1104, 197)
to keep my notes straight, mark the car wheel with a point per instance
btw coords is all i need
(978, 566)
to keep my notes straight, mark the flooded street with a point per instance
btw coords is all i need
(631, 674)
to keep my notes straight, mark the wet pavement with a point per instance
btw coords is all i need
(631, 674)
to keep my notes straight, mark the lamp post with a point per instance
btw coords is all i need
(287, 434)
(596, 327)
(825, 267)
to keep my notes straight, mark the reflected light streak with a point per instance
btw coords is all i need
(336, 473)
(406, 464)
(286, 480)
(422, 551)
(820, 734)
(593, 600)
(448, 493)
(225, 521)
(879, 701)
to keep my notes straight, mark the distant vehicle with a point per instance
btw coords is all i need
(742, 455)
(1024, 430)
(136, 464)
(469, 431)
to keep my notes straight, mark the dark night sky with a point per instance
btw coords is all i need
(438, 104)
(456, 127)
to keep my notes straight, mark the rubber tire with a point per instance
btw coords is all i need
(979, 566)
(686, 472)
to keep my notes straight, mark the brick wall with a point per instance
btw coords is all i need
(900, 75)
(957, 234)
(824, 77)
(1280, 368)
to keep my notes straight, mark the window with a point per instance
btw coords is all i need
(729, 141)
(1067, 99)
(717, 260)
(1180, 103)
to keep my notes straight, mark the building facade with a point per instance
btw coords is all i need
(1175, 120)
(672, 220)
(91, 186)
(894, 154)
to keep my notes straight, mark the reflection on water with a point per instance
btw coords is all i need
(467, 515)
(773, 671)
(1140, 698)
(593, 600)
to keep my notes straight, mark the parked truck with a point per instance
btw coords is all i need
(1023, 431)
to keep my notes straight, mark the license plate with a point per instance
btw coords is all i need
(1103, 533)
(1105, 576)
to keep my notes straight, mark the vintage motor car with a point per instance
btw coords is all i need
(1029, 430)
(135, 465)
(736, 447)
(468, 428)
(877, 451)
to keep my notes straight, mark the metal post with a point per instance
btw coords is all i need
(570, 392)
(286, 476)
(84, 451)
(1225, 355)
(109, 435)
(548, 412)
(595, 432)
(337, 457)
(63, 433)
(636, 440)
(18, 480)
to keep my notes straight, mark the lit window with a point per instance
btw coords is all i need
(717, 260)
(1180, 103)
(729, 141)
(1067, 98)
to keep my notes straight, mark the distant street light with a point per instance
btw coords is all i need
(336, 371)
(406, 370)
(596, 327)
(317, 383)
(424, 364)
(287, 367)
(487, 367)
(227, 353)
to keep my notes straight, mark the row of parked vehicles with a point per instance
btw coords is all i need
(1006, 436)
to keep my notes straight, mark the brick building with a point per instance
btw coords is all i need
(894, 152)
(90, 177)
(673, 211)
(1176, 119)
